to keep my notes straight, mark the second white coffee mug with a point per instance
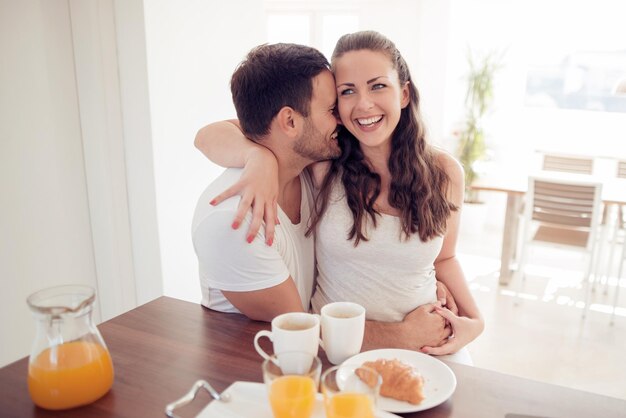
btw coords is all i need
(294, 331)
(343, 326)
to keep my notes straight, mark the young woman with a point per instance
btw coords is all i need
(388, 209)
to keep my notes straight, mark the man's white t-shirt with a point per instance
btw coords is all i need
(228, 262)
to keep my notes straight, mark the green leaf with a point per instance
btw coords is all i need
(478, 100)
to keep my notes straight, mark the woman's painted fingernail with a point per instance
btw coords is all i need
(270, 242)
(250, 239)
(235, 225)
(212, 202)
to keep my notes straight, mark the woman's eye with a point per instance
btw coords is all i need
(378, 86)
(346, 92)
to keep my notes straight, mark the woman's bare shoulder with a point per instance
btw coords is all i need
(449, 163)
(454, 170)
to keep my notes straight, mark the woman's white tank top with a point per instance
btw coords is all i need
(389, 275)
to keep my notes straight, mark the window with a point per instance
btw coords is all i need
(576, 55)
(293, 28)
(317, 24)
(581, 80)
(333, 27)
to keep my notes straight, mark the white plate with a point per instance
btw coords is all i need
(439, 380)
(249, 399)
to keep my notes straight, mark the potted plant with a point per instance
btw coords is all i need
(478, 99)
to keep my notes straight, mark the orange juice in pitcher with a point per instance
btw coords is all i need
(69, 365)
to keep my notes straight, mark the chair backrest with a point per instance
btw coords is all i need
(566, 204)
(621, 169)
(568, 211)
(568, 164)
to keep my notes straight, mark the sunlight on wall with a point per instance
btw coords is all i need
(334, 26)
(193, 47)
(313, 26)
(290, 28)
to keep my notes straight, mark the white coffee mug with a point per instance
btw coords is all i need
(343, 326)
(294, 331)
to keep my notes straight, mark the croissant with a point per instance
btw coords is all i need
(400, 380)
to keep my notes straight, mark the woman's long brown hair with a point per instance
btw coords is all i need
(418, 182)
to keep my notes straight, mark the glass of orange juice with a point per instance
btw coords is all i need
(292, 379)
(69, 364)
(350, 391)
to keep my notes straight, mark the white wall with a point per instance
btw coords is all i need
(193, 48)
(45, 232)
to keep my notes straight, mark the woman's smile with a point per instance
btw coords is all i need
(370, 121)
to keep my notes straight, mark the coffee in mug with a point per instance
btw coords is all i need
(294, 331)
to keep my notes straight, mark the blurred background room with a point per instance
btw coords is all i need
(100, 101)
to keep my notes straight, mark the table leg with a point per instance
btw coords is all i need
(509, 236)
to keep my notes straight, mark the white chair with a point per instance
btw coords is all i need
(621, 169)
(583, 165)
(564, 214)
(560, 163)
(568, 164)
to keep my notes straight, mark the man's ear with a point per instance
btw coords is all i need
(288, 121)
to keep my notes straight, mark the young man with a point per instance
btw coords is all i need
(284, 95)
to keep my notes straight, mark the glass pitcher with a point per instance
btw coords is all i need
(69, 363)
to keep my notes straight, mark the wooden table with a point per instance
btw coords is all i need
(613, 193)
(159, 350)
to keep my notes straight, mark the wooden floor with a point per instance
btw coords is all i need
(544, 337)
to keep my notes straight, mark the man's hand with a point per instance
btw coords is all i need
(258, 188)
(425, 327)
(445, 297)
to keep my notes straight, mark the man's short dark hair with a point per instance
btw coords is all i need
(271, 77)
